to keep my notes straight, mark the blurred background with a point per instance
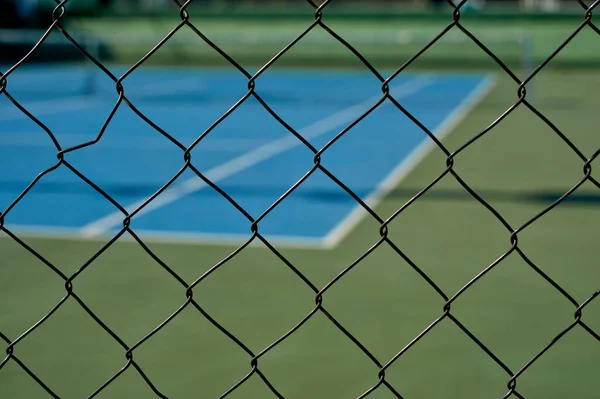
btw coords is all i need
(521, 33)
(521, 168)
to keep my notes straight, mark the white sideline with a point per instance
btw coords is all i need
(56, 106)
(251, 158)
(339, 232)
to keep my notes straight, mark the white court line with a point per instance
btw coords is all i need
(56, 106)
(251, 158)
(163, 237)
(339, 232)
(22, 139)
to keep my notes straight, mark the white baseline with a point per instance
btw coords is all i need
(251, 158)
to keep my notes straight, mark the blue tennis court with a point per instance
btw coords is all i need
(250, 155)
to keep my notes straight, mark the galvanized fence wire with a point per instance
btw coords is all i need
(319, 22)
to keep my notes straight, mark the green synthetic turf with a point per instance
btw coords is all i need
(318, 48)
(520, 167)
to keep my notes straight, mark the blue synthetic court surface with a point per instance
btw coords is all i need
(249, 155)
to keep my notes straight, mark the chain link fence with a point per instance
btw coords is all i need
(380, 382)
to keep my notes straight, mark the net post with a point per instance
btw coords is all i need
(527, 46)
(92, 46)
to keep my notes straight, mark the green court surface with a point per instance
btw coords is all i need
(520, 167)
(385, 43)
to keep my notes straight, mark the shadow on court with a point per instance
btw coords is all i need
(138, 191)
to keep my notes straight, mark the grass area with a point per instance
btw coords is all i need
(386, 43)
(519, 167)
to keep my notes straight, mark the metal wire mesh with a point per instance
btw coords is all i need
(379, 379)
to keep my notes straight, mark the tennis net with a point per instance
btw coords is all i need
(383, 47)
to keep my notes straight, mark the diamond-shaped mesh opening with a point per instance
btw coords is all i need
(126, 284)
(519, 330)
(191, 339)
(60, 346)
(324, 345)
(558, 251)
(322, 234)
(435, 215)
(50, 202)
(389, 294)
(569, 366)
(23, 306)
(262, 318)
(528, 184)
(428, 358)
